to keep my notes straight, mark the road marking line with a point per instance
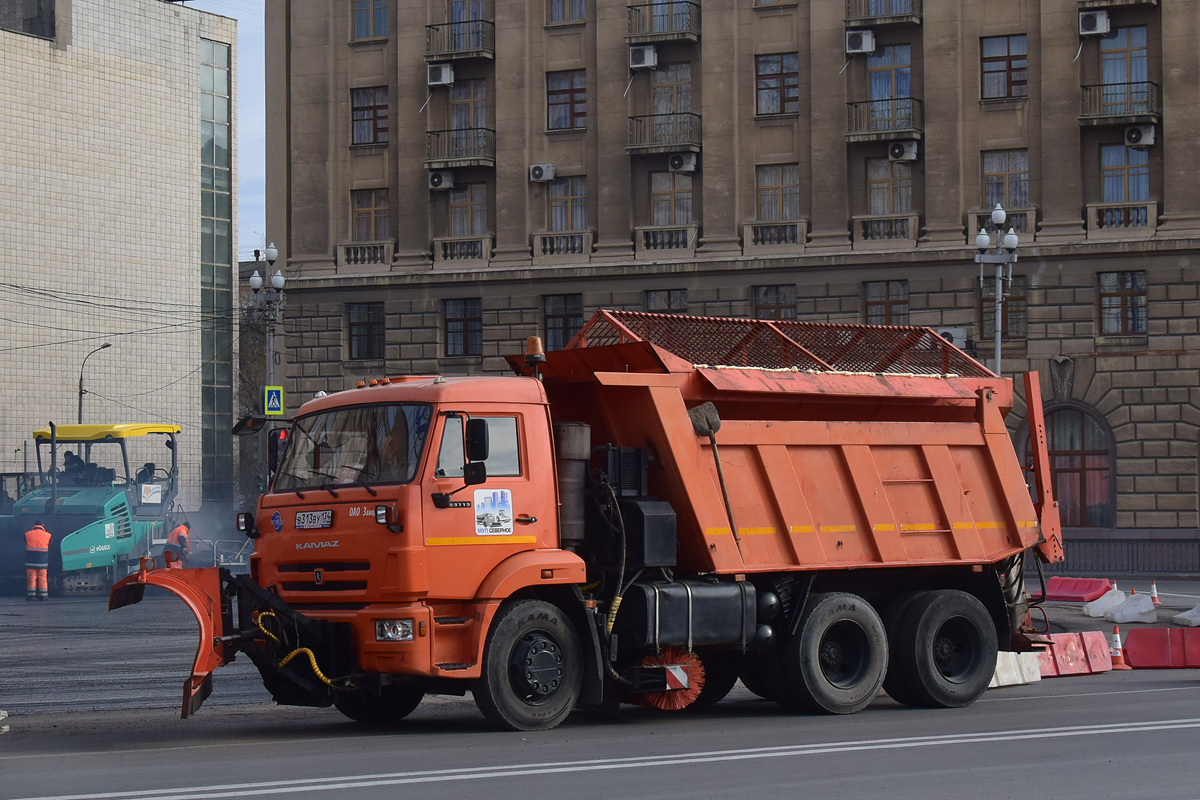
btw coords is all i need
(260, 788)
(987, 699)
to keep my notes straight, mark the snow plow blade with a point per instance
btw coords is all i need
(201, 590)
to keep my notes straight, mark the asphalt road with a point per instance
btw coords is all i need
(93, 700)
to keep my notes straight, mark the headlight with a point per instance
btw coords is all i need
(393, 630)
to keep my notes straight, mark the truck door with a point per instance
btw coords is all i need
(513, 510)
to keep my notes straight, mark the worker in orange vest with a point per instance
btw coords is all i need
(178, 547)
(37, 562)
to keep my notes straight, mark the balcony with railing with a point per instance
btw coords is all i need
(1085, 5)
(663, 22)
(654, 242)
(882, 12)
(365, 255)
(766, 238)
(1120, 103)
(664, 133)
(1135, 220)
(461, 252)
(1021, 220)
(885, 231)
(472, 38)
(562, 247)
(463, 147)
(883, 120)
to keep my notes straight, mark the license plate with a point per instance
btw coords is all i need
(314, 519)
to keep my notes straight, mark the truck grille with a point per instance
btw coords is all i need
(335, 576)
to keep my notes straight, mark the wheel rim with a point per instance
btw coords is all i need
(957, 650)
(844, 654)
(536, 667)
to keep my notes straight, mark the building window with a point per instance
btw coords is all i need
(370, 114)
(886, 302)
(370, 208)
(778, 192)
(889, 186)
(775, 302)
(667, 301)
(1081, 466)
(468, 210)
(566, 99)
(464, 326)
(671, 198)
(32, 17)
(370, 19)
(777, 84)
(889, 80)
(568, 10)
(1123, 302)
(564, 318)
(671, 89)
(1013, 319)
(1125, 173)
(1006, 182)
(366, 326)
(1123, 70)
(568, 204)
(1005, 66)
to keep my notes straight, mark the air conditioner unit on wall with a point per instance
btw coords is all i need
(539, 173)
(1093, 23)
(440, 74)
(902, 151)
(954, 334)
(682, 162)
(1139, 135)
(643, 56)
(441, 179)
(860, 41)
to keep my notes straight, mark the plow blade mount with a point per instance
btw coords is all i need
(201, 590)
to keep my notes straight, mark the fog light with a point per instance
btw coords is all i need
(381, 515)
(393, 630)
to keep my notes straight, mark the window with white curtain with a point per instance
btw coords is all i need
(778, 192)
(889, 186)
(1125, 174)
(468, 210)
(568, 204)
(671, 198)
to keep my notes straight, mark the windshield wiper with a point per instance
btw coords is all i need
(329, 488)
(293, 476)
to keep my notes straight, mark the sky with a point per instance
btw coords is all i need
(251, 119)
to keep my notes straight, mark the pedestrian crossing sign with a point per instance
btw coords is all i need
(273, 401)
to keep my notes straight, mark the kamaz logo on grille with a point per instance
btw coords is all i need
(318, 576)
(317, 545)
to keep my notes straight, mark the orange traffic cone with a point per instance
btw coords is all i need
(1114, 584)
(1133, 591)
(1154, 594)
(1115, 650)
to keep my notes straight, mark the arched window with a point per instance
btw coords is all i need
(1081, 463)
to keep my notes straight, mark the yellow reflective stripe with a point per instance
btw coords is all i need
(885, 526)
(453, 540)
(1027, 523)
(801, 529)
(958, 526)
(756, 531)
(838, 529)
(991, 525)
(716, 531)
(917, 526)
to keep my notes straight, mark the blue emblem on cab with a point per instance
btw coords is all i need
(277, 521)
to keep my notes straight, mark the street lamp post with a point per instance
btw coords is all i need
(270, 304)
(104, 346)
(1004, 256)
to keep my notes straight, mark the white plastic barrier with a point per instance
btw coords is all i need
(1104, 602)
(1188, 618)
(1138, 608)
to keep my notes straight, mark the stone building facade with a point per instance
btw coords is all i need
(116, 225)
(822, 161)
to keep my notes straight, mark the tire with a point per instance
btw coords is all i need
(532, 668)
(836, 661)
(947, 652)
(752, 674)
(894, 683)
(720, 674)
(392, 704)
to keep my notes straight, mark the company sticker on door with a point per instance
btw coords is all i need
(493, 512)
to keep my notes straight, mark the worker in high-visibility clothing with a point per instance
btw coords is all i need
(37, 562)
(178, 546)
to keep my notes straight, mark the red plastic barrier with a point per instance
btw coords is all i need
(1162, 648)
(1076, 654)
(1079, 590)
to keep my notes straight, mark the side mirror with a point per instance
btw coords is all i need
(477, 440)
(475, 472)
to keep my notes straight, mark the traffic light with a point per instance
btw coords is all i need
(276, 447)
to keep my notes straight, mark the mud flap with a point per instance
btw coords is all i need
(201, 590)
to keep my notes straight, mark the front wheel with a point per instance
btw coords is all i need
(532, 668)
(836, 660)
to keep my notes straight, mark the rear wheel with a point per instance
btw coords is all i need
(894, 683)
(946, 649)
(532, 668)
(836, 661)
(392, 704)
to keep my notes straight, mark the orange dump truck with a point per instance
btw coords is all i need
(665, 506)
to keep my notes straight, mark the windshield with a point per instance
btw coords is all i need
(356, 445)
